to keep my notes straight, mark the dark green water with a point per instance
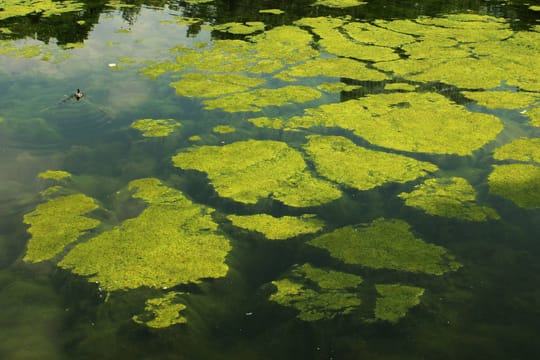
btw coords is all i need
(488, 309)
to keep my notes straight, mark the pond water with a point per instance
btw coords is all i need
(330, 179)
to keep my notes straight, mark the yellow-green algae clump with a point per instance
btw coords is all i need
(468, 51)
(448, 197)
(155, 127)
(240, 28)
(503, 99)
(173, 241)
(248, 171)
(162, 312)
(416, 122)
(339, 159)
(257, 99)
(57, 223)
(11, 8)
(534, 116)
(336, 67)
(336, 40)
(281, 228)
(214, 85)
(339, 3)
(395, 301)
(54, 175)
(518, 183)
(386, 244)
(524, 149)
(316, 293)
(223, 129)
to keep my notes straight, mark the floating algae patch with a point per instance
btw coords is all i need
(56, 175)
(248, 171)
(448, 197)
(57, 223)
(534, 115)
(335, 41)
(503, 99)
(46, 8)
(468, 51)
(336, 67)
(370, 34)
(336, 87)
(266, 122)
(213, 85)
(395, 301)
(237, 28)
(271, 11)
(400, 86)
(223, 129)
(155, 127)
(162, 312)
(417, 122)
(173, 241)
(339, 3)
(317, 294)
(256, 99)
(527, 150)
(386, 244)
(281, 228)
(518, 183)
(340, 160)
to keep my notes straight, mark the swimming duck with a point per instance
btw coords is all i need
(78, 95)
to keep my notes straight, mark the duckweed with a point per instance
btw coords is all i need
(448, 197)
(386, 244)
(340, 160)
(281, 228)
(247, 171)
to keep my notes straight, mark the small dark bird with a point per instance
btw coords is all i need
(78, 95)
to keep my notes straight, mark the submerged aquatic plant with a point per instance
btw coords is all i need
(281, 228)
(449, 197)
(340, 160)
(248, 171)
(317, 294)
(386, 244)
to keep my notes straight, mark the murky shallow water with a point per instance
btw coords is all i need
(246, 295)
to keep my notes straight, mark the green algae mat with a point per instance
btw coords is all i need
(304, 180)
